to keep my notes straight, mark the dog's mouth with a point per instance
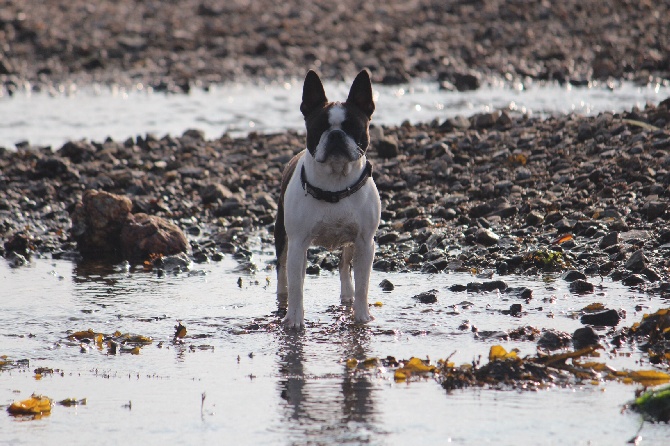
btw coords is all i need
(339, 146)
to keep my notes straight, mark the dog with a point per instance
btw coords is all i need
(328, 198)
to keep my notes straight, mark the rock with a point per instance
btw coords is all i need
(173, 263)
(514, 310)
(633, 280)
(387, 147)
(520, 292)
(584, 337)
(97, 222)
(78, 151)
(655, 209)
(487, 237)
(581, 287)
(637, 261)
(145, 235)
(266, 200)
(608, 318)
(215, 192)
(427, 297)
(573, 275)
(534, 218)
(465, 81)
(386, 285)
(457, 288)
(611, 239)
(554, 340)
(19, 243)
(476, 287)
(389, 237)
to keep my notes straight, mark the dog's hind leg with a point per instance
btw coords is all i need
(346, 284)
(281, 249)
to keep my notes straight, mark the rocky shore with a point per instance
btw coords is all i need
(174, 46)
(496, 192)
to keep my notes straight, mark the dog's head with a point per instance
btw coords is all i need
(337, 131)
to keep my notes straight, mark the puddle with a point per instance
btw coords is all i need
(96, 113)
(270, 387)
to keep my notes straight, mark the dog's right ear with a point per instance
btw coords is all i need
(313, 94)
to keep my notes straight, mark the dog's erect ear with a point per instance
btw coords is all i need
(313, 94)
(360, 94)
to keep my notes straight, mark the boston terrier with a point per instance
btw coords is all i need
(328, 198)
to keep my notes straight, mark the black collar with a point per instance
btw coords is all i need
(334, 197)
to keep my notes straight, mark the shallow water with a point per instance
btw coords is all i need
(273, 387)
(95, 113)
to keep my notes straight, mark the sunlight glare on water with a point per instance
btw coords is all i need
(96, 113)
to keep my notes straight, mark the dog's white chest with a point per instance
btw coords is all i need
(334, 234)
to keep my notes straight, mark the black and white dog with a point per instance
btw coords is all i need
(328, 198)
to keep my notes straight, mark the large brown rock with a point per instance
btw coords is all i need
(103, 226)
(97, 222)
(144, 235)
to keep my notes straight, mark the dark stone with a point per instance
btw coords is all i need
(584, 337)
(554, 340)
(387, 147)
(386, 285)
(212, 193)
(77, 151)
(651, 274)
(573, 275)
(534, 218)
(476, 287)
(633, 280)
(581, 287)
(611, 239)
(608, 318)
(520, 292)
(465, 81)
(655, 209)
(487, 237)
(389, 237)
(19, 243)
(313, 270)
(427, 297)
(514, 310)
(457, 288)
(637, 261)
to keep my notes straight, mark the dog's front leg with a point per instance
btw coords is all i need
(363, 257)
(296, 263)
(346, 285)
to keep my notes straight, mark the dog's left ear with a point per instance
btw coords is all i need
(360, 94)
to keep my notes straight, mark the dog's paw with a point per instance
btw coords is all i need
(363, 317)
(346, 299)
(293, 323)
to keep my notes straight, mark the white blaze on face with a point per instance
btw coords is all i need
(336, 116)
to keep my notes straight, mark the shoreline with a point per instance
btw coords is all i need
(494, 192)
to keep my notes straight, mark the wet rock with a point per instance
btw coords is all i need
(487, 237)
(144, 235)
(389, 237)
(637, 261)
(19, 243)
(97, 222)
(633, 280)
(584, 337)
(602, 318)
(581, 287)
(655, 209)
(520, 292)
(554, 340)
(427, 297)
(465, 81)
(478, 287)
(573, 275)
(514, 310)
(173, 263)
(386, 285)
(611, 239)
(458, 288)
